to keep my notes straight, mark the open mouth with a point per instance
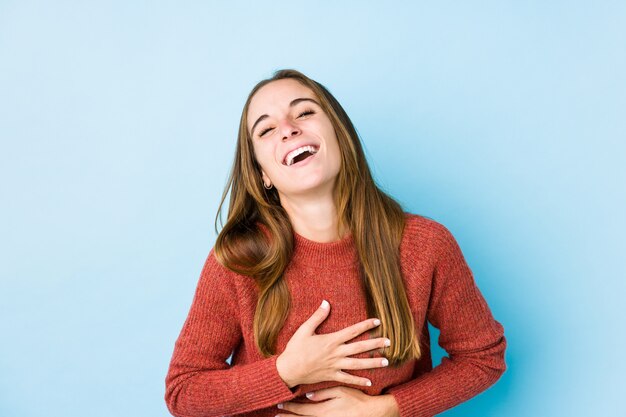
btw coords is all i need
(299, 155)
(304, 155)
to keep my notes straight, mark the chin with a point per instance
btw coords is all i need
(311, 186)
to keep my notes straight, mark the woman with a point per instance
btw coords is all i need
(307, 225)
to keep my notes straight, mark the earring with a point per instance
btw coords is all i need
(266, 187)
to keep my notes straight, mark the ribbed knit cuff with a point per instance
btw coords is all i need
(269, 386)
(410, 406)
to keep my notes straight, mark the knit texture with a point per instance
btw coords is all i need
(440, 288)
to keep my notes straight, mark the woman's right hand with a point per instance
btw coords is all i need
(309, 358)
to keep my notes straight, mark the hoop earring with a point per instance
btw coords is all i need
(266, 187)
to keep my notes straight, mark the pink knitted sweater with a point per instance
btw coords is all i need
(440, 288)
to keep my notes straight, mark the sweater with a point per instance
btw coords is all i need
(440, 288)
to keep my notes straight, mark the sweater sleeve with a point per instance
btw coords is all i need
(199, 381)
(472, 338)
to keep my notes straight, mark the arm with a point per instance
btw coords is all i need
(199, 382)
(473, 339)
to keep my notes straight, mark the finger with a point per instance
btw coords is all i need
(341, 376)
(353, 331)
(298, 408)
(357, 363)
(324, 394)
(354, 348)
(316, 318)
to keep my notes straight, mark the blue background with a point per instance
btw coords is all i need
(503, 120)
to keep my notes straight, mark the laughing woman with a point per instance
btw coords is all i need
(322, 287)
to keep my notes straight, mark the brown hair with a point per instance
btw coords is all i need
(375, 220)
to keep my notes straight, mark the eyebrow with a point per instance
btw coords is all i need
(293, 103)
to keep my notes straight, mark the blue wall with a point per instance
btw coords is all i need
(503, 120)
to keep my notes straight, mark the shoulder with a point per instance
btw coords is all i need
(426, 235)
(216, 275)
(418, 226)
(213, 265)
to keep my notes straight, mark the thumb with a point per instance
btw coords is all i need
(316, 318)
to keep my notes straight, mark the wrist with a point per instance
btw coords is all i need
(388, 406)
(283, 372)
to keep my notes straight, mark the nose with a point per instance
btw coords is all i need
(288, 129)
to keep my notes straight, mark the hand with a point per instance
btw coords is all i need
(343, 402)
(309, 358)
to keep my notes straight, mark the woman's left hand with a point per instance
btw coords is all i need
(340, 402)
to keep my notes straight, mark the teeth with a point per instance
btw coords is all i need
(291, 155)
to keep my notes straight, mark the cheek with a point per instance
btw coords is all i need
(260, 153)
(334, 148)
(264, 157)
(331, 137)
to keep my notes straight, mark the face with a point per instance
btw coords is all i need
(293, 139)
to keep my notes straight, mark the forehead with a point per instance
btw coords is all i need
(276, 96)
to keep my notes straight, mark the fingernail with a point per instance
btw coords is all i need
(309, 395)
(376, 322)
(387, 342)
(324, 304)
(280, 406)
(385, 362)
(369, 383)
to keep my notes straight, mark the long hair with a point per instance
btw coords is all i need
(375, 220)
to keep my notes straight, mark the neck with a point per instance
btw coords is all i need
(315, 219)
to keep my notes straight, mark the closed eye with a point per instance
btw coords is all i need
(306, 113)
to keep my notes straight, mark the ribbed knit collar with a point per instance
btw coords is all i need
(340, 253)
